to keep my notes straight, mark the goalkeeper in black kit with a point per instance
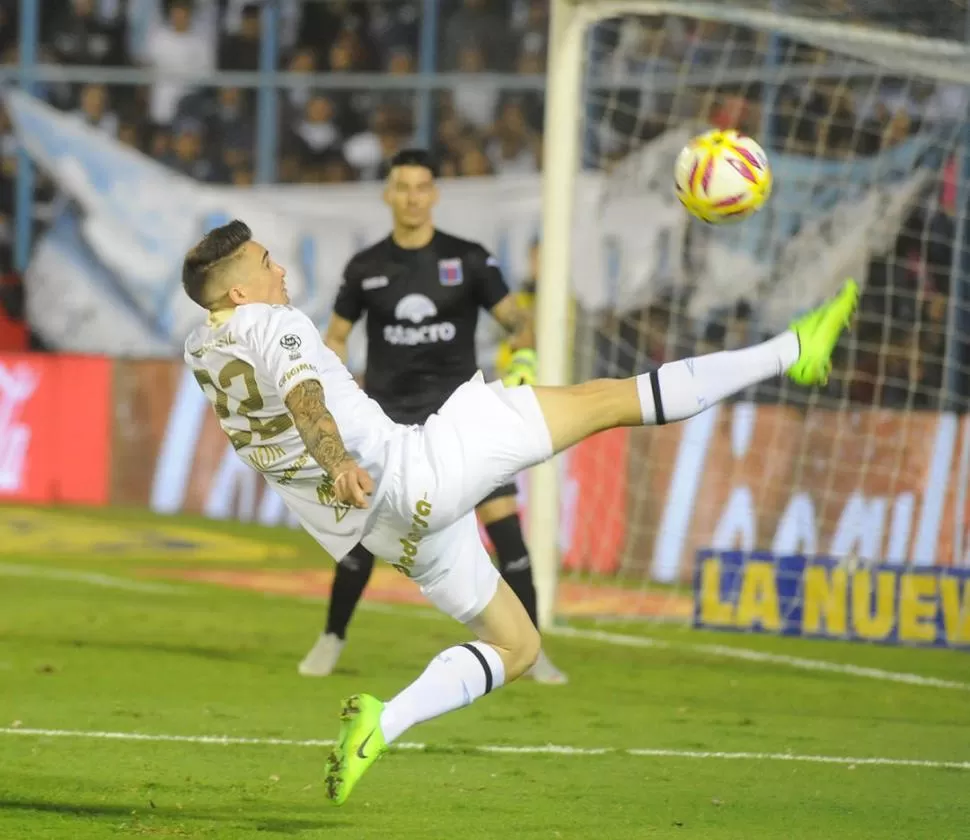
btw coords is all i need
(421, 290)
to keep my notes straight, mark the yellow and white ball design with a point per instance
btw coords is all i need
(722, 177)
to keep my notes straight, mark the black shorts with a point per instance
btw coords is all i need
(501, 493)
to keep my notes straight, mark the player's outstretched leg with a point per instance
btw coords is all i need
(349, 581)
(507, 646)
(508, 642)
(499, 513)
(679, 390)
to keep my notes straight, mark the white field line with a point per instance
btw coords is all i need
(547, 749)
(90, 578)
(601, 636)
(749, 655)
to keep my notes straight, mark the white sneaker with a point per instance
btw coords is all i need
(543, 671)
(322, 659)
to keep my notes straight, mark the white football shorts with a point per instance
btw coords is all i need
(424, 523)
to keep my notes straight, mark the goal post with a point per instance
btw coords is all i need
(876, 188)
(561, 157)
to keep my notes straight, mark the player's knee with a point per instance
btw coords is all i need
(524, 652)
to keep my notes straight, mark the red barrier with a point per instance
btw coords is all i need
(54, 428)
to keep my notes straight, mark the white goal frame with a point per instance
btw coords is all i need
(569, 22)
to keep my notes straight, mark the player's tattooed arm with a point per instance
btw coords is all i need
(517, 321)
(317, 427)
(351, 483)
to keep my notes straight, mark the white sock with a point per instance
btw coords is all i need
(456, 677)
(681, 389)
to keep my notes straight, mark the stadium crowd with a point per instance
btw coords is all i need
(332, 135)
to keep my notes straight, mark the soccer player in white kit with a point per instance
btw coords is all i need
(408, 493)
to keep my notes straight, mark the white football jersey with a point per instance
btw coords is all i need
(246, 365)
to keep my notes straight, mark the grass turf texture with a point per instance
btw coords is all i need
(201, 660)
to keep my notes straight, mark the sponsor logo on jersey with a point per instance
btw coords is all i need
(291, 343)
(415, 308)
(263, 457)
(427, 334)
(409, 544)
(418, 308)
(290, 472)
(449, 272)
(295, 371)
(372, 283)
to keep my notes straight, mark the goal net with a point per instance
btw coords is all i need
(865, 121)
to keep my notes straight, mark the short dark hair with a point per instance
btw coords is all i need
(415, 157)
(213, 249)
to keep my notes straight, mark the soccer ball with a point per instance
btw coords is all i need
(722, 177)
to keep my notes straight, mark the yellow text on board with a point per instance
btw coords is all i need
(839, 603)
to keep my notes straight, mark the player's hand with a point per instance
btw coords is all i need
(352, 485)
(522, 369)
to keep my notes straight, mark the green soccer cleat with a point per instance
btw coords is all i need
(818, 332)
(360, 744)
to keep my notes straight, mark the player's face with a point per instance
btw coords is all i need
(257, 279)
(411, 194)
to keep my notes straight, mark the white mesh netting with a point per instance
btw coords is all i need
(864, 117)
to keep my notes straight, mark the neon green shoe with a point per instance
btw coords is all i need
(360, 744)
(818, 332)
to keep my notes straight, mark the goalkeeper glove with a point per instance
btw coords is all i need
(522, 369)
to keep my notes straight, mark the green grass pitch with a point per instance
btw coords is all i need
(91, 642)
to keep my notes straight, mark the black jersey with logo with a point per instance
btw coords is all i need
(422, 309)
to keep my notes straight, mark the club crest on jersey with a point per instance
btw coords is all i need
(291, 343)
(449, 272)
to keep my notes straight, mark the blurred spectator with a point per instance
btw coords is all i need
(243, 176)
(240, 51)
(394, 26)
(232, 119)
(9, 27)
(530, 20)
(319, 129)
(474, 163)
(347, 55)
(369, 151)
(532, 62)
(330, 168)
(132, 135)
(475, 101)
(186, 154)
(291, 14)
(514, 147)
(226, 115)
(451, 132)
(95, 109)
(175, 48)
(295, 97)
(324, 23)
(476, 23)
(78, 35)
(400, 62)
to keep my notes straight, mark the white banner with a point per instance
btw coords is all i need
(105, 278)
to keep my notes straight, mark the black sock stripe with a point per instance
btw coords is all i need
(483, 663)
(658, 403)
